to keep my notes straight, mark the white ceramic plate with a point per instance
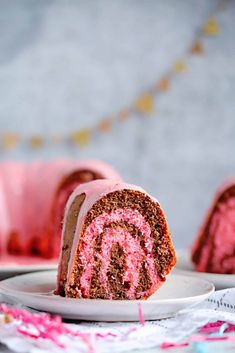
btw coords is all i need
(184, 266)
(36, 291)
(14, 265)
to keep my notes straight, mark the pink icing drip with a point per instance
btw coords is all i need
(134, 253)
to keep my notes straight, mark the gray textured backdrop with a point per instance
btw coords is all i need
(65, 64)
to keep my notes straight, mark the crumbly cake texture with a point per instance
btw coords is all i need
(214, 248)
(32, 201)
(115, 243)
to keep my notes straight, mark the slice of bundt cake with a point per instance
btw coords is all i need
(214, 247)
(115, 243)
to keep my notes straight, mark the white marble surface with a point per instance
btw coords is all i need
(65, 64)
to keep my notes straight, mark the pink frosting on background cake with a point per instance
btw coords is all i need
(214, 247)
(29, 195)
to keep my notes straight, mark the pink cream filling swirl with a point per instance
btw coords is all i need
(131, 246)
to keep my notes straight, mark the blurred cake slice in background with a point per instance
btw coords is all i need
(214, 247)
(32, 201)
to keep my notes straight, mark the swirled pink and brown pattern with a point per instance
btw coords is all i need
(116, 243)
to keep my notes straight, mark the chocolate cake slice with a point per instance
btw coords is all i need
(214, 248)
(115, 243)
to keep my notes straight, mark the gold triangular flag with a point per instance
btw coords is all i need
(9, 140)
(123, 115)
(197, 48)
(81, 137)
(105, 125)
(145, 104)
(36, 141)
(211, 27)
(163, 85)
(180, 67)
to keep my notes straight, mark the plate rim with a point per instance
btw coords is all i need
(6, 291)
(186, 254)
(17, 268)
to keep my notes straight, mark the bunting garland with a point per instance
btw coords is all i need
(124, 115)
(211, 27)
(36, 141)
(9, 140)
(163, 85)
(179, 67)
(105, 126)
(81, 138)
(197, 48)
(144, 105)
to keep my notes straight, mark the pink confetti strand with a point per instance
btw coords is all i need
(131, 329)
(48, 327)
(141, 315)
(215, 326)
(208, 328)
(89, 345)
(41, 335)
(202, 338)
(105, 335)
(167, 345)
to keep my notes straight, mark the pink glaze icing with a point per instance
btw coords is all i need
(223, 225)
(222, 229)
(98, 167)
(27, 193)
(4, 219)
(12, 200)
(11, 261)
(94, 191)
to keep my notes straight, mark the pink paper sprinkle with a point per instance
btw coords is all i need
(202, 338)
(41, 335)
(131, 329)
(105, 335)
(215, 326)
(86, 339)
(167, 345)
(47, 326)
(141, 315)
(212, 327)
(217, 338)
